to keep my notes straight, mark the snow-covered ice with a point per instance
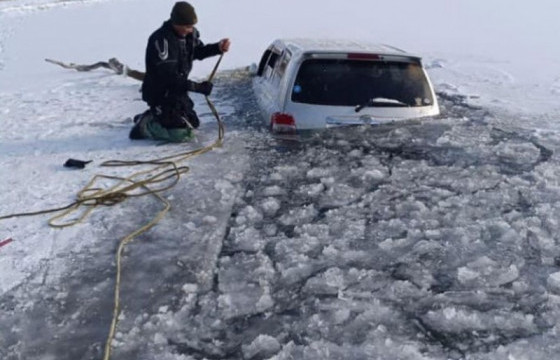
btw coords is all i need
(433, 239)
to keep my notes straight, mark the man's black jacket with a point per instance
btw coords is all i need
(168, 64)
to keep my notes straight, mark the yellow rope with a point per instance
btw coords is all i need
(126, 240)
(163, 170)
(122, 244)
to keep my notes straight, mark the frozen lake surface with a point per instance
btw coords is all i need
(433, 239)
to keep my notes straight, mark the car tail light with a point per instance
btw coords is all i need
(361, 56)
(283, 123)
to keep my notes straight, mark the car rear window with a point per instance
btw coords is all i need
(344, 82)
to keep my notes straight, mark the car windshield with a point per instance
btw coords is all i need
(359, 83)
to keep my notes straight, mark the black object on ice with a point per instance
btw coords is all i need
(78, 164)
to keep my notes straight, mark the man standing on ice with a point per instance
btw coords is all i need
(170, 53)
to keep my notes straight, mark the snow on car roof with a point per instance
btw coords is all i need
(304, 45)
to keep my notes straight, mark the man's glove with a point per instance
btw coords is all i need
(204, 87)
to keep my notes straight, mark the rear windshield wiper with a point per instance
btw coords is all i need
(380, 102)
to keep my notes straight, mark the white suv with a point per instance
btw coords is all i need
(306, 84)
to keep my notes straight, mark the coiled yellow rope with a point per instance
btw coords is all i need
(165, 172)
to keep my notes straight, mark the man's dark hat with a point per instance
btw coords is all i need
(183, 14)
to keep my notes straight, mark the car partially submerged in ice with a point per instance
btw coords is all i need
(304, 84)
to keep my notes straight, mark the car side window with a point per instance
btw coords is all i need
(263, 62)
(269, 67)
(283, 63)
(280, 68)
